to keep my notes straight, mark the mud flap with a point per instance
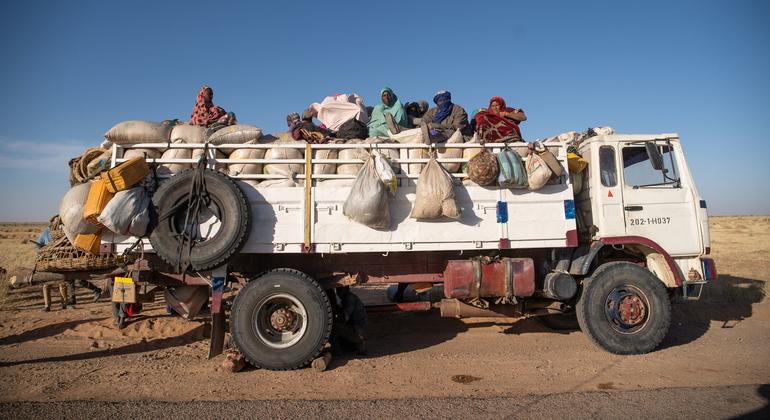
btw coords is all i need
(218, 322)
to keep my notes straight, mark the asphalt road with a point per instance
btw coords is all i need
(745, 401)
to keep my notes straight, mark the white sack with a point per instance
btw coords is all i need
(325, 168)
(71, 212)
(235, 169)
(127, 213)
(145, 153)
(236, 134)
(359, 153)
(288, 170)
(132, 132)
(191, 134)
(173, 168)
(367, 202)
(435, 197)
(538, 172)
(275, 183)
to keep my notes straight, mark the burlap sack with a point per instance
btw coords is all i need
(482, 168)
(145, 153)
(235, 169)
(236, 134)
(325, 168)
(173, 168)
(191, 134)
(287, 170)
(367, 202)
(133, 132)
(352, 168)
(435, 197)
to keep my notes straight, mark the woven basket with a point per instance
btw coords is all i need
(59, 256)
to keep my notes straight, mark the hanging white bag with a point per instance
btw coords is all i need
(435, 197)
(387, 176)
(367, 202)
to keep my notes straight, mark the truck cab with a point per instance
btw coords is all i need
(638, 193)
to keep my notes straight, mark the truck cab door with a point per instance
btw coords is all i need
(659, 204)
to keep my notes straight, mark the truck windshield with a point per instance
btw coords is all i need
(638, 171)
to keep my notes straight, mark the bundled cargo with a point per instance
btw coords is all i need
(435, 197)
(126, 175)
(538, 172)
(367, 202)
(133, 132)
(512, 173)
(483, 167)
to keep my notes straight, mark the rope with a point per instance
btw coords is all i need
(197, 198)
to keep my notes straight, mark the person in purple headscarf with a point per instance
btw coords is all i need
(446, 117)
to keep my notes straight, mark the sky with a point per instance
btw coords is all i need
(71, 70)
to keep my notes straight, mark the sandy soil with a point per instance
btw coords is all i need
(77, 355)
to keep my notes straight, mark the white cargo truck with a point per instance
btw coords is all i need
(608, 258)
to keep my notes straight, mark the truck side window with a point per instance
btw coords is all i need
(607, 167)
(638, 171)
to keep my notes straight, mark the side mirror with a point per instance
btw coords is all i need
(656, 159)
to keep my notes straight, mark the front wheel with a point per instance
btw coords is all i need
(281, 320)
(624, 309)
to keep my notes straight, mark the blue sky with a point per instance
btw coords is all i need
(71, 70)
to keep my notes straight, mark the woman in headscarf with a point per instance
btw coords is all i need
(446, 117)
(205, 113)
(499, 122)
(389, 114)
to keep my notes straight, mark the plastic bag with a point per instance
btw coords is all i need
(512, 173)
(127, 213)
(367, 202)
(435, 194)
(385, 172)
(538, 172)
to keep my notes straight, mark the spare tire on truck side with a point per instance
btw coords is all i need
(281, 320)
(223, 225)
(624, 308)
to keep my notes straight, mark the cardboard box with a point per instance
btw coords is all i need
(124, 290)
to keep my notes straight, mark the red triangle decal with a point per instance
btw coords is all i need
(609, 194)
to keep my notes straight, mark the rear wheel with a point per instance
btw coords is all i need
(624, 309)
(281, 320)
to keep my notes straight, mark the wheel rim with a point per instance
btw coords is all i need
(280, 320)
(627, 309)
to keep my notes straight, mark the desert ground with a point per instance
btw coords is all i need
(714, 363)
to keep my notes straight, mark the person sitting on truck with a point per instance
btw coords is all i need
(390, 114)
(349, 328)
(499, 122)
(446, 117)
(205, 113)
(305, 129)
